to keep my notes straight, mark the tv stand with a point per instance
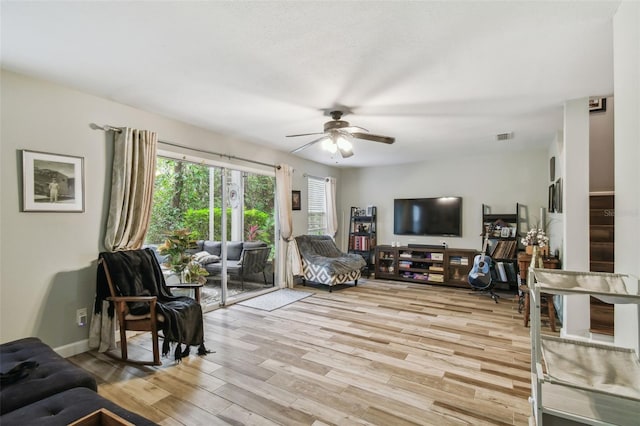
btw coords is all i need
(425, 264)
(427, 246)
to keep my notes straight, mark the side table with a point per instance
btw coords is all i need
(524, 260)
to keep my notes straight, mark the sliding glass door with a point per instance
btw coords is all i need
(192, 196)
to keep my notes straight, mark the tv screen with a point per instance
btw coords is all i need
(428, 216)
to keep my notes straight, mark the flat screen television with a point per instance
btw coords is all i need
(428, 216)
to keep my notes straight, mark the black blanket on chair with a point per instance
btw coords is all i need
(137, 273)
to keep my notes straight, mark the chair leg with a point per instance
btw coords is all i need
(155, 345)
(123, 341)
(264, 276)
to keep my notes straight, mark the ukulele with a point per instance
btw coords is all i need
(479, 276)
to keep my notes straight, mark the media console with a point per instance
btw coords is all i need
(424, 264)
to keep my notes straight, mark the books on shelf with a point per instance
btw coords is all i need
(505, 249)
(459, 260)
(362, 242)
(437, 256)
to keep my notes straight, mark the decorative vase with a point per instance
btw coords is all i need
(536, 257)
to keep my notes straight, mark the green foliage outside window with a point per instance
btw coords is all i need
(181, 201)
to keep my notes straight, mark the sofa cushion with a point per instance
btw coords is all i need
(213, 247)
(234, 250)
(53, 374)
(204, 258)
(67, 407)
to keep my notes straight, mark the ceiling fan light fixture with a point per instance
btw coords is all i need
(343, 144)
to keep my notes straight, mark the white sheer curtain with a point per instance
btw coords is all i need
(284, 186)
(331, 209)
(132, 180)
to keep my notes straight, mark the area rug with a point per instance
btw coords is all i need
(275, 299)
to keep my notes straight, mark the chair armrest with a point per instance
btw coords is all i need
(185, 285)
(122, 308)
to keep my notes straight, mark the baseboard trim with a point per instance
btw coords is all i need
(72, 349)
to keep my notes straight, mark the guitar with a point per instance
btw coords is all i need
(479, 276)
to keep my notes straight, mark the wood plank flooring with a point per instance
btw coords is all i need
(382, 353)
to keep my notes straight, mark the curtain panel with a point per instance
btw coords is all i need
(132, 179)
(331, 208)
(284, 185)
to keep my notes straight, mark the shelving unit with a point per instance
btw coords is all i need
(578, 380)
(429, 265)
(362, 235)
(503, 245)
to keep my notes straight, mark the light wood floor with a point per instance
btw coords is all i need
(383, 353)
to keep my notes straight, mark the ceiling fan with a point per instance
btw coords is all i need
(338, 134)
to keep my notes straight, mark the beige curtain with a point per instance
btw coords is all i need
(134, 167)
(132, 179)
(284, 185)
(330, 199)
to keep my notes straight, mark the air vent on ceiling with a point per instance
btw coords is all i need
(504, 136)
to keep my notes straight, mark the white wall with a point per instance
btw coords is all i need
(498, 182)
(626, 66)
(48, 260)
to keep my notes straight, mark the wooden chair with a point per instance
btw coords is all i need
(151, 321)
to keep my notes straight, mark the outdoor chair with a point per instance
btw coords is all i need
(254, 261)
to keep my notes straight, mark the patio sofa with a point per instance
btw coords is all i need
(41, 387)
(324, 263)
(244, 258)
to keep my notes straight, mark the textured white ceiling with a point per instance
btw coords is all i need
(442, 77)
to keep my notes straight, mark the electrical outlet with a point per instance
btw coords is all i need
(81, 317)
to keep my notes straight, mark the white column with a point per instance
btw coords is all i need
(575, 206)
(626, 76)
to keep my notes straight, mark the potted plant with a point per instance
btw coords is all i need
(178, 260)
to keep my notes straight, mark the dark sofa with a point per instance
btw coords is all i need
(52, 391)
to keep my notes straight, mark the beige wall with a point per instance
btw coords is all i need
(47, 260)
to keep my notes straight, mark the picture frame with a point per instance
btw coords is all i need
(505, 232)
(552, 200)
(552, 169)
(558, 196)
(52, 182)
(597, 104)
(295, 200)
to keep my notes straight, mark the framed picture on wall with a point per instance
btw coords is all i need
(552, 169)
(52, 182)
(558, 196)
(597, 104)
(295, 200)
(552, 200)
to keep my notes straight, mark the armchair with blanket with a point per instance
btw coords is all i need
(324, 263)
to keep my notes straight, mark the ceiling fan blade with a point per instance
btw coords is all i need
(352, 129)
(307, 145)
(374, 138)
(304, 134)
